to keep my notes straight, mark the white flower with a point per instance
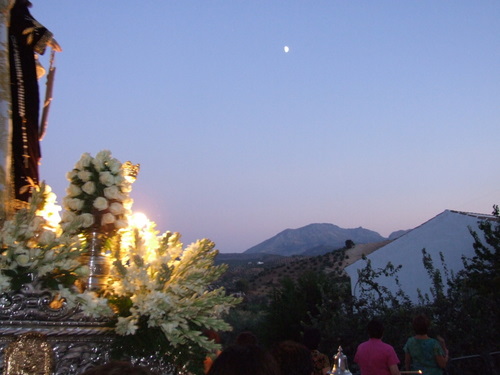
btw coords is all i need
(23, 259)
(71, 174)
(115, 166)
(87, 220)
(4, 283)
(47, 237)
(107, 218)
(101, 203)
(84, 175)
(49, 256)
(68, 216)
(8, 239)
(112, 192)
(73, 190)
(126, 187)
(119, 179)
(93, 305)
(84, 161)
(89, 187)
(116, 208)
(36, 224)
(126, 326)
(101, 159)
(120, 224)
(106, 178)
(75, 204)
(103, 155)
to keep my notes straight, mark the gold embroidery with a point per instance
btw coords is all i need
(29, 354)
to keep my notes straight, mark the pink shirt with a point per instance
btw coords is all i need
(374, 357)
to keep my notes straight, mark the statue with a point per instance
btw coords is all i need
(27, 37)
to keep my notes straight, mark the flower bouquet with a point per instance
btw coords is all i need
(98, 194)
(98, 201)
(164, 298)
(33, 250)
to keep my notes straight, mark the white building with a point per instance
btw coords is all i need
(447, 233)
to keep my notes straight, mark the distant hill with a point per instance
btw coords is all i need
(398, 234)
(313, 239)
(256, 275)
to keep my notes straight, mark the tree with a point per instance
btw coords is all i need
(482, 271)
(294, 305)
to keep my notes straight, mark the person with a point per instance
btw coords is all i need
(293, 358)
(425, 353)
(244, 360)
(374, 356)
(118, 368)
(26, 37)
(311, 340)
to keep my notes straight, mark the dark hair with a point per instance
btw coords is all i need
(421, 324)
(118, 368)
(244, 360)
(246, 338)
(293, 358)
(375, 329)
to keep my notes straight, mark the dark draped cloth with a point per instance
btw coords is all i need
(26, 36)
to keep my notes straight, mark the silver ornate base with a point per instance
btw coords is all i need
(77, 341)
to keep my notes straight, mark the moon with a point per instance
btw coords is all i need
(286, 49)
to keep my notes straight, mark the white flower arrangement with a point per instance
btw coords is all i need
(157, 285)
(168, 284)
(156, 288)
(98, 194)
(35, 249)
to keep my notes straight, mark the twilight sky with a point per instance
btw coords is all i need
(381, 115)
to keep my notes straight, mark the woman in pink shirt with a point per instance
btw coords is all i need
(374, 356)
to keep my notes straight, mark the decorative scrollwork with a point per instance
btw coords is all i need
(77, 342)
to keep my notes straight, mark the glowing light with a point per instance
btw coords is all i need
(138, 220)
(50, 211)
(286, 49)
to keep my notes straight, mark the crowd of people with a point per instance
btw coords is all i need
(423, 355)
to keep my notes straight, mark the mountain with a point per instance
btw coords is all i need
(398, 234)
(313, 239)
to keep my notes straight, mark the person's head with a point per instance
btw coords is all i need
(118, 368)
(421, 324)
(244, 360)
(311, 338)
(293, 358)
(246, 338)
(375, 329)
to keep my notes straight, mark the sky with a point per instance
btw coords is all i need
(381, 115)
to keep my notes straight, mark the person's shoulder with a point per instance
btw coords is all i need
(411, 339)
(408, 343)
(364, 343)
(386, 346)
(435, 343)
